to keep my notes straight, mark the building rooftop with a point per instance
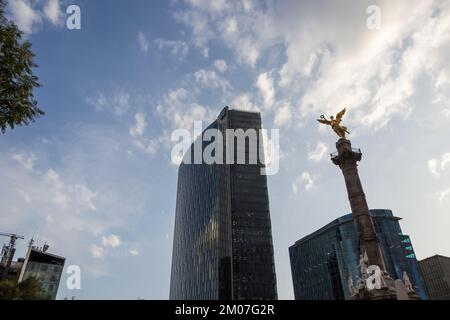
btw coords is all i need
(435, 256)
(385, 213)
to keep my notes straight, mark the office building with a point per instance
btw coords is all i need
(322, 262)
(47, 268)
(222, 247)
(436, 273)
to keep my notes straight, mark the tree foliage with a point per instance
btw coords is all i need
(18, 105)
(9, 290)
(29, 289)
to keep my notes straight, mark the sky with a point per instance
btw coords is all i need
(94, 179)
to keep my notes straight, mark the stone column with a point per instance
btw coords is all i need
(346, 158)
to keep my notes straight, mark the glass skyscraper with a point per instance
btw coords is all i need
(222, 247)
(323, 261)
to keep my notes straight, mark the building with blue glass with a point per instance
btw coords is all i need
(222, 245)
(323, 262)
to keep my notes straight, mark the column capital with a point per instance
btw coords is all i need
(345, 153)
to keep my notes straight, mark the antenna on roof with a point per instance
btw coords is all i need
(30, 244)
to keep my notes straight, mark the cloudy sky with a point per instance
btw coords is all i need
(93, 177)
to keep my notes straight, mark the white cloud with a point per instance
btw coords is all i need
(49, 219)
(176, 48)
(210, 79)
(60, 198)
(52, 12)
(26, 195)
(246, 28)
(445, 161)
(204, 51)
(29, 15)
(77, 195)
(374, 73)
(60, 204)
(283, 115)
(230, 26)
(25, 160)
(319, 152)
(112, 241)
(264, 83)
(220, 65)
(179, 109)
(442, 80)
(433, 165)
(24, 15)
(437, 166)
(97, 251)
(53, 177)
(147, 145)
(443, 195)
(138, 128)
(99, 101)
(305, 179)
(144, 45)
(119, 104)
(134, 252)
(195, 113)
(84, 195)
(244, 102)
(308, 180)
(215, 6)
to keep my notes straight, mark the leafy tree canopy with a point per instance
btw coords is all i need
(17, 103)
(29, 289)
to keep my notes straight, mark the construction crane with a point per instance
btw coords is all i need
(8, 253)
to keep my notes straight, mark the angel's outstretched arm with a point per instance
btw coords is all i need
(324, 121)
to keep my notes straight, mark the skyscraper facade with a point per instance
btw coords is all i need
(323, 262)
(436, 273)
(222, 247)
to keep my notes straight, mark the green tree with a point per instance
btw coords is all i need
(17, 103)
(9, 290)
(29, 289)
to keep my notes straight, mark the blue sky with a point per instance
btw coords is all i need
(93, 176)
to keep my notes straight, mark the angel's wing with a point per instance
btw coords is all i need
(341, 114)
(324, 121)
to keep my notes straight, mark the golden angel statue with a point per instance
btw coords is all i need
(335, 123)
